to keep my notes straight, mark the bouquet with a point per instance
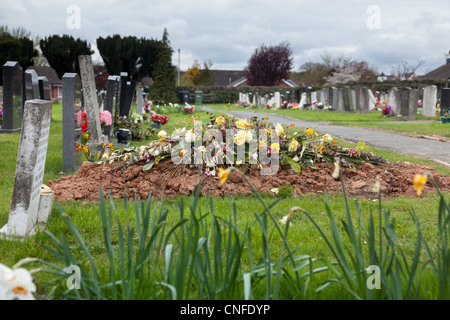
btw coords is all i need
(159, 118)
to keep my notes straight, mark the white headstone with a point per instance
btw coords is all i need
(277, 98)
(302, 100)
(429, 101)
(24, 215)
(394, 101)
(372, 100)
(314, 97)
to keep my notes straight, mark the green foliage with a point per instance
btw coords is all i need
(136, 56)
(16, 45)
(163, 87)
(62, 52)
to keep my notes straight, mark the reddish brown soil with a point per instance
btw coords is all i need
(396, 180)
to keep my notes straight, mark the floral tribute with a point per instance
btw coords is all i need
(159, 118)
(188, 108)
(147, 105)
(207, 141)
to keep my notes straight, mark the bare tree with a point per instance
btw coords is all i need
(405, 70)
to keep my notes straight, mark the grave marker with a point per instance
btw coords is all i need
(139, 98)
(12, 97)
(277, 99)
(31, 85)
(90, 100)
(302, 100)
(394, 100)
(44, 88)
(111, 102)
(123, 93)
(24, 214)
(346, 99)
(429, 101)
(445, 101)
(71, 104)
(335, 98)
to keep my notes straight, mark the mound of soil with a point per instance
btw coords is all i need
(396, 180)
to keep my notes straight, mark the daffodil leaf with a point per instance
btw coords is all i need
(148, 166)
(297, 168)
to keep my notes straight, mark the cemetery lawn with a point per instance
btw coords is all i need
(302, 233)
(374, 119)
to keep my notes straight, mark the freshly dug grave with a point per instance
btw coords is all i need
(396, 180)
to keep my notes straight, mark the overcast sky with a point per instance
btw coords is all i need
(226, 32)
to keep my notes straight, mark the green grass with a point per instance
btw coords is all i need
(87, 218)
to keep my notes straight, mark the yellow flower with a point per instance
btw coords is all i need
(220, 120)
(182, 153)
(110, 145)
(321, 149)
(223, 175)
(275, 148)
(240, 138)
(85, 149)
(262, 143)
(86, 135)
(419, 182)
(310, 131)
(279, 129)
(293, 145)
(243, 124)
(98, 156)
(104, 145)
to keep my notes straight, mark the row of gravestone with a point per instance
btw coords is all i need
(29, 205)
(403, 102)
(19, 86)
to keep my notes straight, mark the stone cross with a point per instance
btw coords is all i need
(12, 97)
(71, 104)
(24, 214)
(90, 100)
(429, 101)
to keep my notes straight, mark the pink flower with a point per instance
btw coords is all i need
(105, 118)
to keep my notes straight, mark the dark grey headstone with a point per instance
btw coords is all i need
(123, 93)
(340, 104)
(139, 99)
(404, 103)
(445, 101)
(111, 103)
(12, 97)
(24, 214)
(131, 86)
(346, 98)
(357, 98)
(44, 88)
(364, 100)
(335, 98)
(72, 105)
(31, 85)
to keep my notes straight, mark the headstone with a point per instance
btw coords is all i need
(139, 99)
(325, 96)
(72, 105)
(131, 86)
(258, 100)
(90, 101)
(123, 93)
(313, 96)
(346, 99)
(12, 97)
(335, 98)
(44, 88)
(277, 100)
(302, 100)
(31, 85)
(1, 93)
(394, 100)
(353, 100)
(429, 101)
(111, 102)
(372, 100)
(413, 100)
(445, 101)
(297, 95)
(364, 100)
(357, 98)
(406, 94)
(24, 215)
(340, 102)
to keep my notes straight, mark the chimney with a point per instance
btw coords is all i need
(448, 57)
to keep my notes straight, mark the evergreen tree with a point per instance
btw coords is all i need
(16, 45)
(163, 87)
(62, 52)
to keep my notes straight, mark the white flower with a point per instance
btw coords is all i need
(16, 284)
(162, 134)
(255, 156)
(284, 220)
(275, 190)
(295, 159)
(279, 129)
(337, 168)
(240, 138)
(190, 137)
(293, 145)
(249, 136)
(202, 149)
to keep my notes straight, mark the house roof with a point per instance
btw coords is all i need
(441, 73)
(49, 73)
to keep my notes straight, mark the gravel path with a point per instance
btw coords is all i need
(423, 148)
